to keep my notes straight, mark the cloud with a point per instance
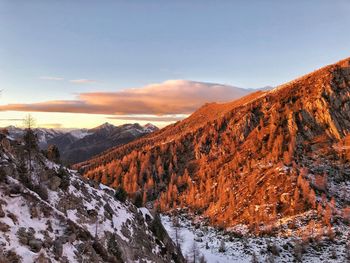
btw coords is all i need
(150, 118)
(51, 78)
(167, 98)
(52, 125)
(83, 81)
(11, 119)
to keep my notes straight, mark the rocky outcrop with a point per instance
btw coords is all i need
(51, 213)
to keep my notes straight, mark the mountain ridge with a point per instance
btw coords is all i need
(80, 144)
(264, 141)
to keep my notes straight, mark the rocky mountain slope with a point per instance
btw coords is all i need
(51, 214)
(81, 144)
(255, 161)
(102, 138)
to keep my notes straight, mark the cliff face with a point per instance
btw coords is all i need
(267, 156)
(52, 214)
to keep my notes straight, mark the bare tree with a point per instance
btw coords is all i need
(29, 122)
(222, 247)
(202, 259)
(194, 253)
(254, 258)
(30, 139)
(178, 238)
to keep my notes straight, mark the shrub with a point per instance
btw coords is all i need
(222, 247)
(138, 200)
(298, 251)
(2, 175)
(53, 154)
(10, 256)
(273, 249)
(41, 190)
(120, 194)
(113, 248)
(157, 228)
(64, 179)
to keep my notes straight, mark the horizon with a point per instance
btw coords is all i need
(125, 66)
(68, 129)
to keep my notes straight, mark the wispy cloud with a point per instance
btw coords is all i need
(51, 78)
(83, 81)
(52, 125)
(11, 119)
(150, 118)
(167, 98)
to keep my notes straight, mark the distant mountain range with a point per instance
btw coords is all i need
(78, 145)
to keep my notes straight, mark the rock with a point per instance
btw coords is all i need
(6, 144)
(42, 259)
(54, 183)
(4, 227)
(35, 245)
(125, 231)
(108, 209)
(2, 213)
(8, 170)
(58, 248)
(92, 213)
(34, 212)
(22, 236)
(72, 238)
(200, 234)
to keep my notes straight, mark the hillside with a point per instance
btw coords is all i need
(51, 214)
(265, 157)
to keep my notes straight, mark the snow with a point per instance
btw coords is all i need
(80, 133)
(80, 205)
(241, 249)
(212, 255)
(145, 212)
(69, 251)
(72, 215)
(105, 187)
(18, 207)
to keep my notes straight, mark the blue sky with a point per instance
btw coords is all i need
(117, 45)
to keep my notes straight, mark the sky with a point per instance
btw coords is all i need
(81, 63)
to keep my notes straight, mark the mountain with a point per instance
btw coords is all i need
(78, 145)
(98, 140)
(43, 134)
(52, 214)
(271, 162)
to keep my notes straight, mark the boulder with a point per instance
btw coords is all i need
(35, 245)
(54, 183)
(2, 213)
(4, 227)
(58, 248)
(22, 236)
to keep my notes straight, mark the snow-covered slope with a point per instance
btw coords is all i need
(53, 213)
(44, 135)
(235, 246)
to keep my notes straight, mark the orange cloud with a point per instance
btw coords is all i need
(150, 118)
(169, 97)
